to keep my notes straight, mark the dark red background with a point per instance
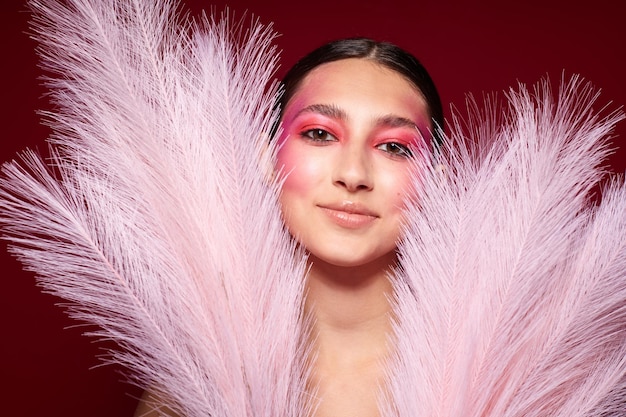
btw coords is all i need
(468, 47)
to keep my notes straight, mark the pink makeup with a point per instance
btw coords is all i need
(349, 215)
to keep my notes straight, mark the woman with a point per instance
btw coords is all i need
(354, 114)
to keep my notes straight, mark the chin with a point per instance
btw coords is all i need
(355, 260)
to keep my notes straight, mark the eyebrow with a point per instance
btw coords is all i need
(335, 112)
(328, 110)
(395, 121)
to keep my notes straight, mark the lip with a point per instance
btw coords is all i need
(349, 214)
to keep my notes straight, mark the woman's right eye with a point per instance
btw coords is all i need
(318, 135)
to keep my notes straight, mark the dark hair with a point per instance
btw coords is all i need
(383, 53)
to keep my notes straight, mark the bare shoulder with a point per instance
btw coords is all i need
(152, 405)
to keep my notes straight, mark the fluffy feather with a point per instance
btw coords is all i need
(158, 221)
(511, 299)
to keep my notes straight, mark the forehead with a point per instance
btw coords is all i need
(357, 83)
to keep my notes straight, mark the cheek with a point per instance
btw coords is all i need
(399, 188)
(412, 188)
(410, 182)
(401, 191)
(300, 169)
(300, 178)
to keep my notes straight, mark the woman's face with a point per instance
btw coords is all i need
(349, 133)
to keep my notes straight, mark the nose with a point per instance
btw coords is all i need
(353, 170)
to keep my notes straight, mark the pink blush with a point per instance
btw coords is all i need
(296, 166)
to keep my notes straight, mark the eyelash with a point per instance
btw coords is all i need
(399, 150)
(323, 136)
(312, 133)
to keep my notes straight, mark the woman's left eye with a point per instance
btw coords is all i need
(396, 149)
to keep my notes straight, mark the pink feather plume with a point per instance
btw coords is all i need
(511, 298)
(158, 219)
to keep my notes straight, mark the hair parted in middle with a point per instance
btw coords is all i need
(385, 54)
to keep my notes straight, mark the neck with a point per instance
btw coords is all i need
(350, 311)
(350, 307)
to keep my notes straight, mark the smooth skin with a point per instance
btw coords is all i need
(350, 132)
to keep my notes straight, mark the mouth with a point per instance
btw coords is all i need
(350, 215)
